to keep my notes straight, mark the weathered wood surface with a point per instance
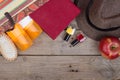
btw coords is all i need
(44, 45)
(60, 68)
(55, 60)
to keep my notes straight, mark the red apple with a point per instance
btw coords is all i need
(110, 47)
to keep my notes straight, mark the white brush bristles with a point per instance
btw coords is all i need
(7, 48)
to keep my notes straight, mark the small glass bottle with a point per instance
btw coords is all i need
(80, 38)
(30, 27)
(69, 32)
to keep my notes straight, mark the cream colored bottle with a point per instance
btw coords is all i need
(30, 27)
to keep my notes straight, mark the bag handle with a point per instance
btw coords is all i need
(10, 20)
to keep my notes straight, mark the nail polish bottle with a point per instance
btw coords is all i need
(79, 38)
(30, 27)
(69, 31)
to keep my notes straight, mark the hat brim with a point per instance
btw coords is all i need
(92, 32)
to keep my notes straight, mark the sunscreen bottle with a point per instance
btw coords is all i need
(30, 27)
(18, 35)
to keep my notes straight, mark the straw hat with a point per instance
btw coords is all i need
(99, 18)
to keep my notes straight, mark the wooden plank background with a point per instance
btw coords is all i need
(46, 46)
(60, 68)
(55, 60)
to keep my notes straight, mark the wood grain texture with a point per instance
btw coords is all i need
(45, 46)
(60, 68)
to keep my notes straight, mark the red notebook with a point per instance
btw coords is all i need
(55, 16)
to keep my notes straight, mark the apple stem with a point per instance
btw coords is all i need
(113, 47)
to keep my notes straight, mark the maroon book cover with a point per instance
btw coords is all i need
(55, 16)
